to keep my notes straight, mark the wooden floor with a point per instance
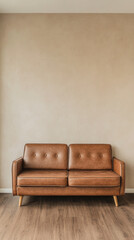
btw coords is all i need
(66, 218)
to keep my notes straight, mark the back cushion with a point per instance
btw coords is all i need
(45, 156)
(90, 156)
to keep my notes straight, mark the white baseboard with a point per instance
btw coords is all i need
(9, 190)
(5, 190)
(129, 190)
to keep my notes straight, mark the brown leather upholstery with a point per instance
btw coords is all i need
(67, 191)
(45, 156)
(42, 178)
(100, 178)
(90, 156)
(16, 169)
(46, 169)
(119, 168)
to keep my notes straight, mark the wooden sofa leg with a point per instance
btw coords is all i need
(20, 200)
(116, 201)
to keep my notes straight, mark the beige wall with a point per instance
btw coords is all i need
(67, 78)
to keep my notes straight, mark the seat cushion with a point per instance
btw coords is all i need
(100, 178)
(42, 178)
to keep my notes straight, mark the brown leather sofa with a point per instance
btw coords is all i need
(56, 169)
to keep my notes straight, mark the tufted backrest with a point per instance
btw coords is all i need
(90, 156)
(45, 156)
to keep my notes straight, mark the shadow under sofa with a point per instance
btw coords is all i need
(59, 170)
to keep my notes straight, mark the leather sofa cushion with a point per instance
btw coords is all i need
(45, 156)
(90, 156)
(42, 178)
(100, 178)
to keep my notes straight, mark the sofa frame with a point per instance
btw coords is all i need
(59, 170)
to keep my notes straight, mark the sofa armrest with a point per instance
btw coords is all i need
(16, 169)
(119, 168)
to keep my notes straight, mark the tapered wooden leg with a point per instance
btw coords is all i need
(115, 201)
(20, 200)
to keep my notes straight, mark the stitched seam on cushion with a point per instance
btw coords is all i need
(40, 185)
(40, 177)
(94, 186)
(94, 177)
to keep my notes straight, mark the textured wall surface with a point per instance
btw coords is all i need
(66, 78)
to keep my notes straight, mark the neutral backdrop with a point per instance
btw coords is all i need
(66, 78)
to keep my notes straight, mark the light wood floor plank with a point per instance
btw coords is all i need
(66, 218)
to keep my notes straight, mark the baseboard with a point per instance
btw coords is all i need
(129, 190)
(5, 190)
(9, 190)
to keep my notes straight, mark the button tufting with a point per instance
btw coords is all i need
(56, 155)
(100, 155)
